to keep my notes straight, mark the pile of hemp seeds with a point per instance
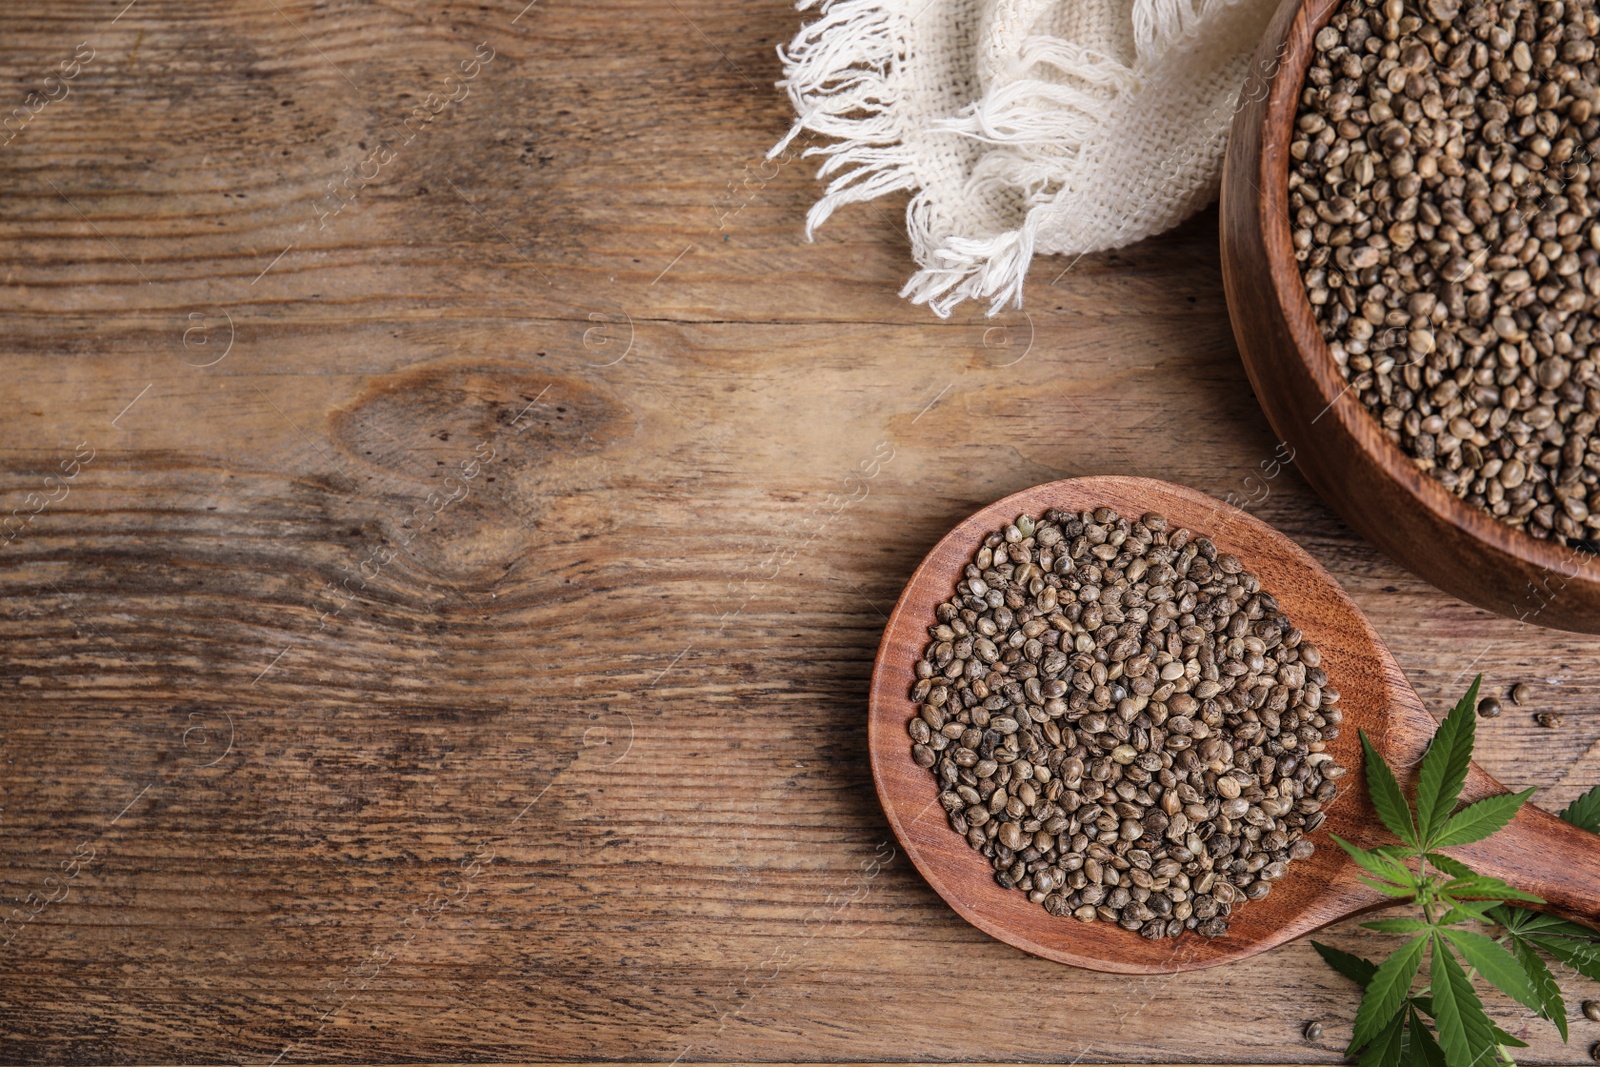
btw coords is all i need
(1124, 723)
(1444, 213)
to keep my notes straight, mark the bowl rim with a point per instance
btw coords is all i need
(1355, 419)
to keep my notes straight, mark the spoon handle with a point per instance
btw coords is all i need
(1540, 854)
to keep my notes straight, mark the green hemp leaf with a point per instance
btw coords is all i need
(1463, 926)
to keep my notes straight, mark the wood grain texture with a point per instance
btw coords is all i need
(290, 703)
(1340, 447)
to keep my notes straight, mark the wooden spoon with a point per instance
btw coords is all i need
(1537, 852)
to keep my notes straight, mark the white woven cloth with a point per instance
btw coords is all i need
(1019, 126)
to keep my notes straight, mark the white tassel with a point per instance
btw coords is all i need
(1029, 113)
(990, 268)
(839, 73)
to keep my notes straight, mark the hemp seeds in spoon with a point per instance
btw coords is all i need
(1124, 723)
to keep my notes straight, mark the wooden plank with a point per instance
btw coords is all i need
(275, 683)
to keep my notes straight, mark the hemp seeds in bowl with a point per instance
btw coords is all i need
(1123, 723)
(1444, 209)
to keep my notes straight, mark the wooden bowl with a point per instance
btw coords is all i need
(1338, 444)
(1538, 852)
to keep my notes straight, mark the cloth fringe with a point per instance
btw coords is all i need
(1034, 132)
(839, 73)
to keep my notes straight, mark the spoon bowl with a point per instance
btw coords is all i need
(1537, 852)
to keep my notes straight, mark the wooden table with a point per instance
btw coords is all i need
(440, 582)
